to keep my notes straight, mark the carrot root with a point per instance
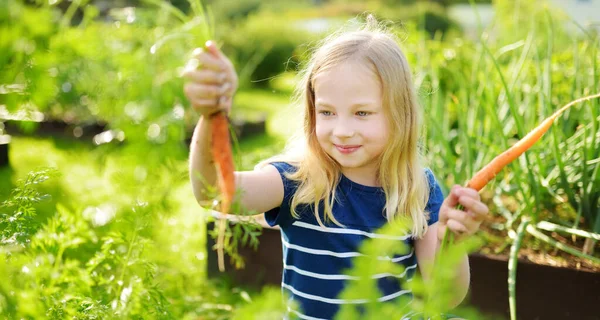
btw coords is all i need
(221, 152)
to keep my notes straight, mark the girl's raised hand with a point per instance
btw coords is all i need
(211, 80)
(463, 222)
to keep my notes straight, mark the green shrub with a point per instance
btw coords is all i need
(265, 45)
(430, 17)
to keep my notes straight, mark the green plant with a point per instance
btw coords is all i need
(427, 16)
(428, 299)
(265, 45)
(17, 215)
(489, 111)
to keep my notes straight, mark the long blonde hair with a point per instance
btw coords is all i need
(401, 173)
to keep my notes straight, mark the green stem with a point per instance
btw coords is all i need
(512, 269)
(448, 235)
(544, 225)
(126, 262)
(55, 268)
(68, 16)
(534, 232)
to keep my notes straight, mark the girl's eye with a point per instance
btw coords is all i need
(362, 113)
(325, 112)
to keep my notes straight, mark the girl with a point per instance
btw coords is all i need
(359, 168)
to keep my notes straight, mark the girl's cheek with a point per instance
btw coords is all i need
(320, 131)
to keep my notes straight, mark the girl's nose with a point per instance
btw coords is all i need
(343, 130)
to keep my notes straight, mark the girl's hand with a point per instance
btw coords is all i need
(211, 80)
(462, 222)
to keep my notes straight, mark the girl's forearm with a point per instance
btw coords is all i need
(202, 170)
(462, 280)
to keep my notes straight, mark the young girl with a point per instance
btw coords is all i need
(359, 168)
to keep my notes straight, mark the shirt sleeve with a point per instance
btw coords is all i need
(282, 214)
(436, 197)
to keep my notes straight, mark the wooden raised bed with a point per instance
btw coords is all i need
(4, 149)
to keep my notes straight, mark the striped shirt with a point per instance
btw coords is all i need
(314, 258)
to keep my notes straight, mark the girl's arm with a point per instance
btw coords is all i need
(210, 86)
(203, 174)
(260, 190)
(426, 249)
(462, 222)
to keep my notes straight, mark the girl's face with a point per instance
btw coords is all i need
(350, 123)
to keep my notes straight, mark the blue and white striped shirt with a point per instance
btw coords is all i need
(314, 258)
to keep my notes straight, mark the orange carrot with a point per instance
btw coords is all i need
(488, 172)
(221, 152)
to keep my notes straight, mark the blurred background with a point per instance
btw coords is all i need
(98, 219)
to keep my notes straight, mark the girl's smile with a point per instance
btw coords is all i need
(347, 149)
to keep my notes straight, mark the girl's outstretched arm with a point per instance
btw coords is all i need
(210, 86)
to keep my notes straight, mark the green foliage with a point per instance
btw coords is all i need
(25, 39)
(115, 245)
(269, 305)
(244, 232)
(431, 299)
(430, 17)
(481, 96)
(17, 213)
(53, 274)
(124, 73)
(67, 257)
(265, 45)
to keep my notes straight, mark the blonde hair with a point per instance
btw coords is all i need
(400, 173)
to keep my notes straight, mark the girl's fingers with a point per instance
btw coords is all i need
(464, 218)
(451, 200)
(211, 47)
(225, 103)
(476, 208)
(206, 76)
(202, 105)
(456, 227)
(226, 89)
(195, 91)
(208, 61)
(469, 192)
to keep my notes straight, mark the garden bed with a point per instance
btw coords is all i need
(543, 292)
(55, 127)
